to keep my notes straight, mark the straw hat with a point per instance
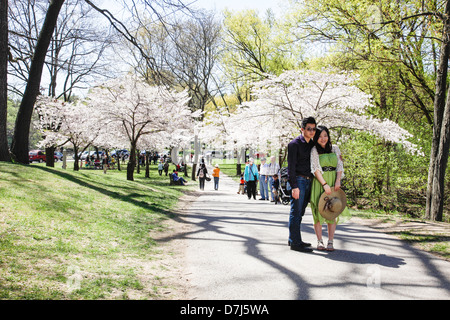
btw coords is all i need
(331, 206)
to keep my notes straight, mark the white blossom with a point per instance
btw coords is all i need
(121, 113)
(273, 117)
(130, 108)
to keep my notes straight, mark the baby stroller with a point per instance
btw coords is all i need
(283, 193)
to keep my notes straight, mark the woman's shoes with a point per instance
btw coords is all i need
(321, 247)
(330, 246)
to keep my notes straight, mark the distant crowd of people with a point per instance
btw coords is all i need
(267, 176)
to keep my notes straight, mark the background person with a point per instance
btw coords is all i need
(201, 174)
(160, 167)
(215, 174)
(274, 188)
(241, 184)
(176, 178)
(251, 177)
(274, 168)
(263, 181)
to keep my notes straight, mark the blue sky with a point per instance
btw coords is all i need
(219, 5)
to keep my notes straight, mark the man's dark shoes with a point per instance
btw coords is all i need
(303, 244)
(303, 247)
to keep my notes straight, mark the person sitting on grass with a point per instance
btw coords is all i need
(176, 178)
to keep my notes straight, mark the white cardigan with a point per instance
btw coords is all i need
(315, 163)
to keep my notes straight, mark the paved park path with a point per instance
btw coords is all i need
(236, 249)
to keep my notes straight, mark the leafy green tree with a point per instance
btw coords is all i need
(255, 47)
(401, 50)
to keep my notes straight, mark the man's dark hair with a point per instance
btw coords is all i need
(305, 121)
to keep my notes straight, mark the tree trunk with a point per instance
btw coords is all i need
(194, 171)
(50, 156)
(238, 169)
(440, 166)
(196, 155)
(76, 165)
(147, 164)
(138, 161)
(439, 151)
(240, 159)
(131, 163)
(20, 142)
(4, 150)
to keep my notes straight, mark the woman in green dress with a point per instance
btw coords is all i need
(328, 170)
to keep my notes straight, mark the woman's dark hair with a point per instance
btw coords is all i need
(328, 146)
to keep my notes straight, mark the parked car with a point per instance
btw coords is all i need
(84, 155)
(58, 156)
(36, 155)
(123, 154)
(81, 156)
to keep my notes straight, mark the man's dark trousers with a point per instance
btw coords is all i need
(298, 207)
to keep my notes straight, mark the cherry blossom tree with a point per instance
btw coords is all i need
(62, 123)
(131, 109)
(273, 117)
(119, 113)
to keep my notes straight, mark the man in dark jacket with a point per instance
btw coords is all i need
(300, 177)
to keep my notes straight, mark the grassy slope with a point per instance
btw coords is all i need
(79, 235)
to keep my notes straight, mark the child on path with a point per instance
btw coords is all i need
(275, 186)
(215, 174)
(241, 185)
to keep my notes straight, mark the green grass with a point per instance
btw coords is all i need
(434, 243)
(425, 238)
(80, 235)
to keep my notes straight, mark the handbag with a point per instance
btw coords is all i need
(254, 175)
(208, 178)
